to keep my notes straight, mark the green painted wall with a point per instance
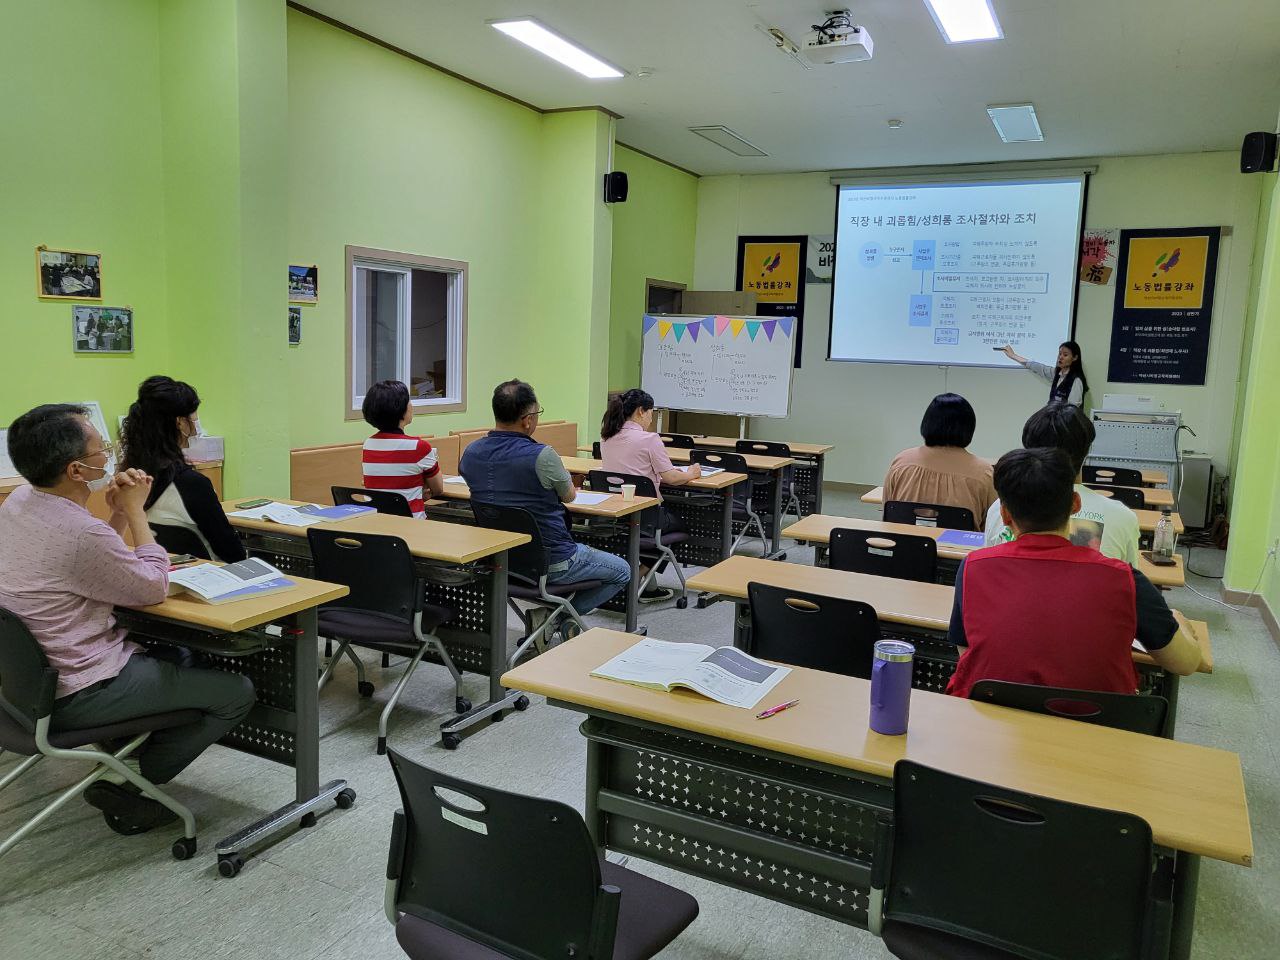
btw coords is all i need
(81, 169)
(1255, 508)
(653, 235)
(386, 153)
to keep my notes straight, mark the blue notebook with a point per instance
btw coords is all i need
(962, 538)
(336, 513)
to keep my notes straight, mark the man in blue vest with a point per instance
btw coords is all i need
(508, 467)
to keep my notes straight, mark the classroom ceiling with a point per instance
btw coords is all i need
(1106, 76)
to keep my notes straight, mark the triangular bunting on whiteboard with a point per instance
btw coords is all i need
(769, 327)
(709, 324)
(786, 323)
(664, 327)
(721, 324)
(679, 329)
(692, 329)
(753, 327)
(648, 324)
(736, 326)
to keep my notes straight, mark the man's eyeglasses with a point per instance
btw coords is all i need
(108, 448)
(535, 413)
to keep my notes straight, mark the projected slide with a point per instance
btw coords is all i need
(941, 273)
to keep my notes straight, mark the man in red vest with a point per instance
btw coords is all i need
(1044, 611)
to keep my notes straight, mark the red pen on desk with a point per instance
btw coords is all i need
(778, 709)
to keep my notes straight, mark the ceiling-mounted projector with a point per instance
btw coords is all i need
(838, 40)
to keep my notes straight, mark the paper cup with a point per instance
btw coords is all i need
(628, 491)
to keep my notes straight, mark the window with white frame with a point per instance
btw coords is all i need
(406, 321)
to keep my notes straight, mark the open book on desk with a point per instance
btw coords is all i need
(212, 583)
(305, 515)
(724, 674)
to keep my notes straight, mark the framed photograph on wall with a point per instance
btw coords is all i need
(102, 329)
(68, 274)
(295, 325)
(303, 286)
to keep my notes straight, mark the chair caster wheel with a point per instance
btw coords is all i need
(682, 603)
(364, 688)
(345, 799)
(184, 848)
(450, 741)
(382, 746)
(230, 864)
(781, 556)
(386, 660)
(701, 603)
(308, 820)
(521, 703)
(461, 704)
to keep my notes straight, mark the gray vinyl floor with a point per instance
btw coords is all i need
(76, 890)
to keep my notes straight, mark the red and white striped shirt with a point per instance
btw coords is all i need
(393, 461)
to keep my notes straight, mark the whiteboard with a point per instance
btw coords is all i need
(739, 366)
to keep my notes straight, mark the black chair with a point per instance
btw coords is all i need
(899, 555)
(384, 501)
(595, 450)
(1131, 497)
(1111, 476)
(527, 576)
(654, 543)
(177, 539)
(27, 689)
(681, 440)
(455, 849)
(770, 448)
(1124, 711)
(978, 872)
(929, 515)
(384, 611)
(742, 508)
(810, 630)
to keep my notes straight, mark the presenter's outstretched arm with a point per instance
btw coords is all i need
(1008, 352)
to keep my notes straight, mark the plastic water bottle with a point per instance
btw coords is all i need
(1162, 540)
(891, 686)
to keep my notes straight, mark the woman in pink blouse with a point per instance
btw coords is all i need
(628, 446)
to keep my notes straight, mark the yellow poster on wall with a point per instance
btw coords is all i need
(771, 271)
(1166, 273)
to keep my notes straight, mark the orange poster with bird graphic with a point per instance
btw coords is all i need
(1166, 273)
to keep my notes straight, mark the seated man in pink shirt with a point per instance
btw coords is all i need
(627, 446)
(62, 571)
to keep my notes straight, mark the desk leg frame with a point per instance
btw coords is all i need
(633, 560)
(1186, 880)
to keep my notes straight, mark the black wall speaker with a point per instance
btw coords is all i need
(1258, 154)
(615, 187)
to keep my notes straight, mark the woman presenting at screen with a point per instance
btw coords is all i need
(1066, 378)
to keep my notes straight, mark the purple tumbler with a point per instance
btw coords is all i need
(891, 686)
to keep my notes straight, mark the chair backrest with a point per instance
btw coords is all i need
(929, 515)
(809, 630)
(611, 481)
(1131, 497)
(458, 839)
(384, 501)
(682, 440)
(1112, 476)
(378, 570)
(595, 450)
(1125, 711)
(732, 463)
(763, 448)
(529, 560)
(177, 539)
(27, 682)
(996, 866)
(900, 555)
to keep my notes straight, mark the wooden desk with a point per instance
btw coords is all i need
(1156, 497)
(461, 567)
(615, 508)
(816, 529)
(580, 466)
(284, 725)
(707, 789)
(1155, 478)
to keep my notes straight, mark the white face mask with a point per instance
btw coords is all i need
(103, 481)
(195, 425)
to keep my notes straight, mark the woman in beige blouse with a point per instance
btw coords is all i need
(942, 471)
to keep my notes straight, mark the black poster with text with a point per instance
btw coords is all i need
(1163, 306)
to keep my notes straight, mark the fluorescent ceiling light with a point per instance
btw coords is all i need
(533, 34)
(963, 21)
(722, 136)
(1016, 122)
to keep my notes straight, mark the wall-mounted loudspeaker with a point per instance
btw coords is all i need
(615, 187)
(1258, 154)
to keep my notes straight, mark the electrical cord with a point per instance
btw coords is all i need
(1233, 607)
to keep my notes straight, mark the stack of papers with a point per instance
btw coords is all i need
(724, 674)
(211, 583)
(455, 480)
(590, 499)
